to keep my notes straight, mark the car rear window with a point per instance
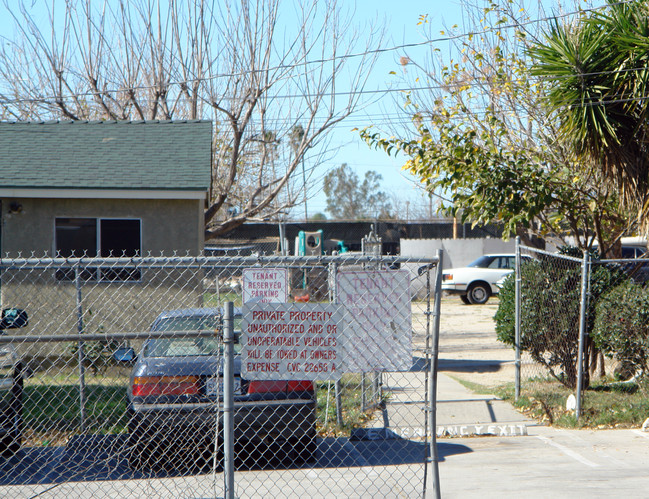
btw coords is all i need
(187, 346)
(494, 262)
(483, 262)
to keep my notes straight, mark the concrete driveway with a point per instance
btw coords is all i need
(545, 463)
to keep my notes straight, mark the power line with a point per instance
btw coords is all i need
(180, 83)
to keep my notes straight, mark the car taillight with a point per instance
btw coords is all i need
(280, 386)
(300, 386)
(447, 277)
(144, 386)
(267, 386)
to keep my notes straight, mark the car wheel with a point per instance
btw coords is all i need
(138, 452)
(478, 293)
(12, 441)
(137, 455)
(151, 451)
(149, 454)
(465, 299)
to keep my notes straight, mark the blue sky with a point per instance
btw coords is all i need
(401, 21)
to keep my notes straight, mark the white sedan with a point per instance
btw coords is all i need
(476, 282)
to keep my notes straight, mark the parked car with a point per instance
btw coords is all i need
(175, 386)
(11, 386)
(476, 282)
(631, 247)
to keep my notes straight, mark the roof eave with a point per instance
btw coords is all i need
(71, 193)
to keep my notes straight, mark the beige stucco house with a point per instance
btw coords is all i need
(101, 189)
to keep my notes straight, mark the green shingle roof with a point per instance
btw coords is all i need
(138, 155)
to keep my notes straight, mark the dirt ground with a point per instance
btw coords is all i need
(468, 348)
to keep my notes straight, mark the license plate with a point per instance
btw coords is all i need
(214, 386)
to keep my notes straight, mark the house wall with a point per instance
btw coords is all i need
(167, 225)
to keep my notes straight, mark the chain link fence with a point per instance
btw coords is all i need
(550, 289)
(114, 376)
(578, 319)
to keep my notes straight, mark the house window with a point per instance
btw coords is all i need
(103, 237)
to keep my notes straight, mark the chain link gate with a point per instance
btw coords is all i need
(113, 380)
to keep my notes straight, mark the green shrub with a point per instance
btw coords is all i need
(550, 315)
(621, 328)
(550, 312)
(506, 313)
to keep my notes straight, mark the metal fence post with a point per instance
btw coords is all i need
(517, 319)
(80, 350)
(333, 297)
(432, 380)
(339, 403)
(427, 376)
(363, 396)
(585, 270)
(228, 400)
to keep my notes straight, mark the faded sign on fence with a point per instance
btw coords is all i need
(265, 285)
(290, 341)
(377, 320)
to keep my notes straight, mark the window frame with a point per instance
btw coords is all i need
(97, 274)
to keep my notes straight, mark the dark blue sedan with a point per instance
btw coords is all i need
(176, 385)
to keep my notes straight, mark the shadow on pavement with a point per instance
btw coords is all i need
(470, 365)
(99, 458)
(420, 364)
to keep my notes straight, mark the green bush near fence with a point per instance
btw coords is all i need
(550, 312)
(621, 328)
(549, 316)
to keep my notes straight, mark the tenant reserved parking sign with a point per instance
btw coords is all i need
(290, 341)
(265, 285)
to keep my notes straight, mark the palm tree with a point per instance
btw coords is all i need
(596, 75)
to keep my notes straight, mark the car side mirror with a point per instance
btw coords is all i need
(125, 355)
(13, 318)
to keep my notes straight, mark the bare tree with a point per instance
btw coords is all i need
(259, 73)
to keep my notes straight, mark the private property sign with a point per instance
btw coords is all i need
(290, 341)
(265, 285)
